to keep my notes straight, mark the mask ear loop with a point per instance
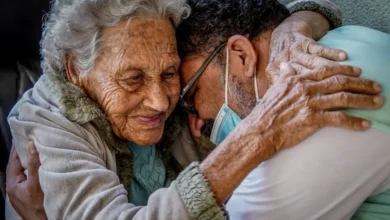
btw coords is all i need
(256, 89)
(226, 76)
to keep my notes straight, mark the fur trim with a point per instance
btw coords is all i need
(74, 103)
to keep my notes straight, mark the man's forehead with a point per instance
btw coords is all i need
(189, 66)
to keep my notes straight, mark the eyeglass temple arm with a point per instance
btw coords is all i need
(201, 70)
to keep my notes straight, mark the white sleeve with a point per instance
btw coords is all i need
(328, 176)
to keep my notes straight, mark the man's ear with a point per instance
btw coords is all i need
(71, 73)
(195, 125)
(243, 57)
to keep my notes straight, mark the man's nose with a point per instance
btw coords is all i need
(157, 97)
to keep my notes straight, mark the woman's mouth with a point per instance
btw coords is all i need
(151, 120)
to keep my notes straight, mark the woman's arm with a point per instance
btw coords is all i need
(295, 38)
(75, 178)
(326, 8)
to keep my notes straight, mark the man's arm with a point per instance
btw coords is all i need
(28, 190)
(327, 176)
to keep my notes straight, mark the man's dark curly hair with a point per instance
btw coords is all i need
(212, 22)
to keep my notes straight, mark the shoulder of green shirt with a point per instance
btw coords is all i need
(326, 8)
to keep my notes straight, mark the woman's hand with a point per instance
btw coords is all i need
(295, 40)
(295, 107)
(25, 193)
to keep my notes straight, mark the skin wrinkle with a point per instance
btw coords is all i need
(130, 80)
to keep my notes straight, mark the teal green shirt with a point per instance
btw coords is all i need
(370, 50)
(148, 174)
(375, 208)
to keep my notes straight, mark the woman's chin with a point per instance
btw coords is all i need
(145, 137)
(145, 142)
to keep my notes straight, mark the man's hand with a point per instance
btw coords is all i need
(25, 193)
(294, 41)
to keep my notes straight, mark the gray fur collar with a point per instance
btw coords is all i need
(73, 102)
(76, 106)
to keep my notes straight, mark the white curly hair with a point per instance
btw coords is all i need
(74, 27)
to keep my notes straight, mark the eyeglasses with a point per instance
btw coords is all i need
(189, 107)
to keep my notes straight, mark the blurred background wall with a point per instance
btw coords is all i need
(20, 32)
(370, 13)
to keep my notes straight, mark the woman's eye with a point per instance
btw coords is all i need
(135, 78)
(168, 75)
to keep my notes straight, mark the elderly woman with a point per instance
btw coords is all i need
(98, 115)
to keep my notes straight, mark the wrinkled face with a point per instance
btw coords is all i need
(135, 78)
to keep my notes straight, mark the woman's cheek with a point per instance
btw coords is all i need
(173, 89)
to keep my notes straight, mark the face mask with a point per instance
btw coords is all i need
(227, 119)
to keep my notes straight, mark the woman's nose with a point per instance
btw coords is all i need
(157, 98)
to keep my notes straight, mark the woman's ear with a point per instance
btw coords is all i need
(71, 73)
(243, 56)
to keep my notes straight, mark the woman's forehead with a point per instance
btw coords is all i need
(142, 36)
(143, 44)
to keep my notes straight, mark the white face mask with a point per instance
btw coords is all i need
(227, 119)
